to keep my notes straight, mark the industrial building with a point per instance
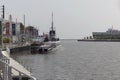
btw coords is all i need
(109, 34)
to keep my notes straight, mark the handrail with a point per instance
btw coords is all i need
(4, 62)
(16, 69)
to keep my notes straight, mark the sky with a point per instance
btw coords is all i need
(73, 19)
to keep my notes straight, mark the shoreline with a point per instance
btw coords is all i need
(99, 40)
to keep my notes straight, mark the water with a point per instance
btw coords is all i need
(77, 61)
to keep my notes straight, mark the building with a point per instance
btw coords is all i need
(109, 34)
(8, 30)
(31, 32)
(11, 31)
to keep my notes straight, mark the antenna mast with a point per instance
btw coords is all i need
(52, 22)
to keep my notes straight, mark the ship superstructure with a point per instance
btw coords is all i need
(52, 32)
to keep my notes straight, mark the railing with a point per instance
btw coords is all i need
(5, 70)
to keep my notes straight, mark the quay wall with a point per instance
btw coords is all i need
(19, 49)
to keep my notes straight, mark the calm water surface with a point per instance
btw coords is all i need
(76, 61)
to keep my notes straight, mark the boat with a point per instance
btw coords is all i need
(47, 43)
(52, 34)
(51, 38)
(36, 44)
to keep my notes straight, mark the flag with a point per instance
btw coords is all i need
(13, 29)
(7, 24)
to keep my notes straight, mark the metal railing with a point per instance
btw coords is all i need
(5, 69)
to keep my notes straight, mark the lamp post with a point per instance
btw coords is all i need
(3, 7)
(2, 22)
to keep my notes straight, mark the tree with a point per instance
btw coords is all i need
(90, 37)
(6, 40)
(22, 27)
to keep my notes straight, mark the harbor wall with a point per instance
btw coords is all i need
(19, 49)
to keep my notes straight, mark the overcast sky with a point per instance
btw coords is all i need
(72, 18)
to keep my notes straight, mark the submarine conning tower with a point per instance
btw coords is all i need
(52, 32)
